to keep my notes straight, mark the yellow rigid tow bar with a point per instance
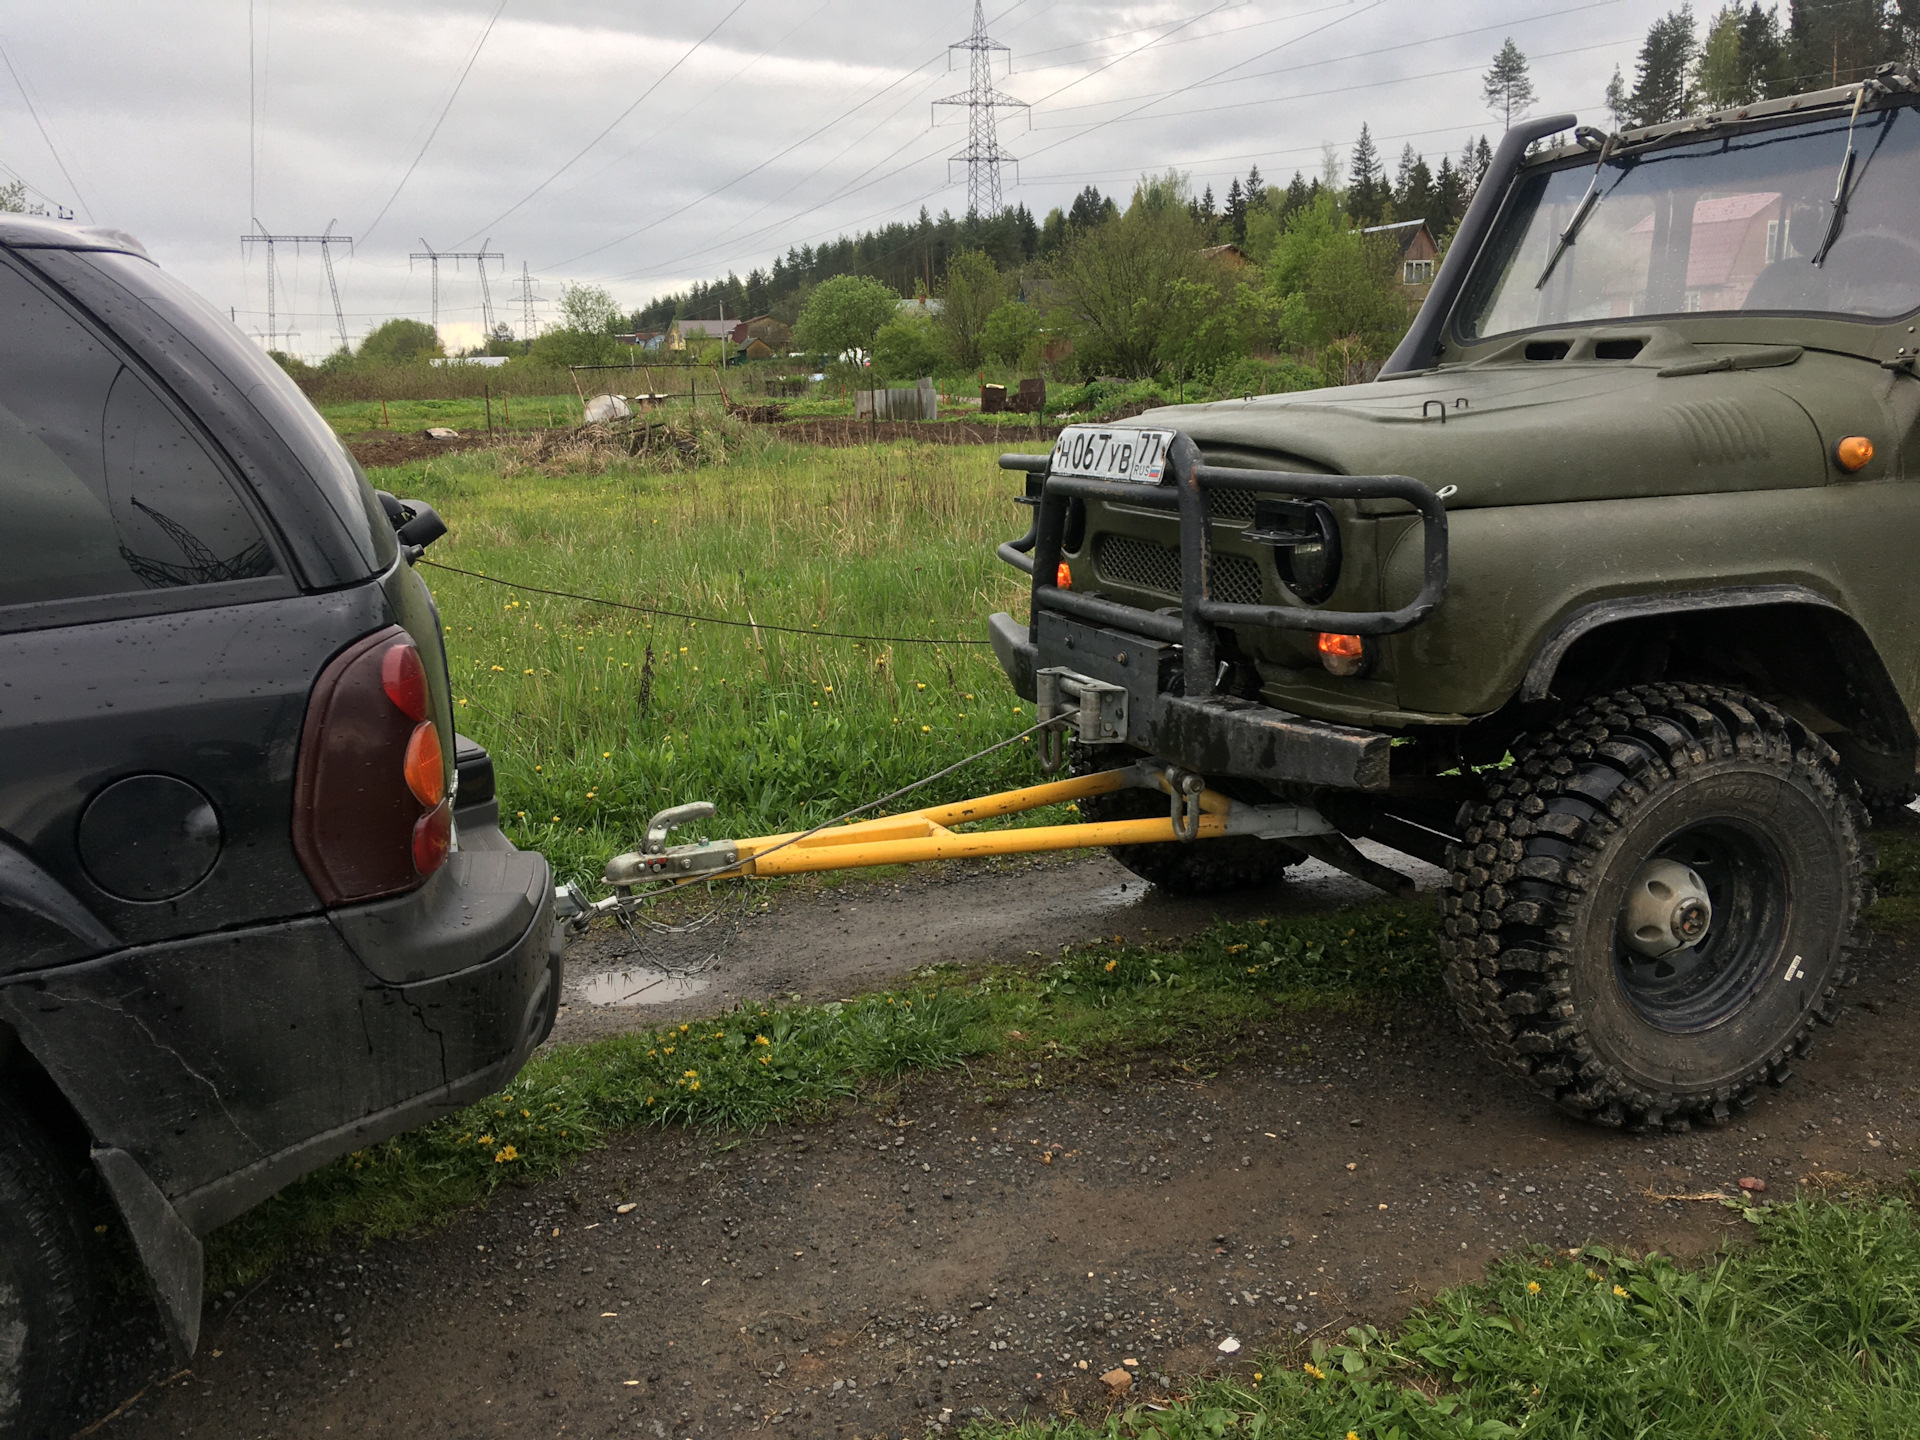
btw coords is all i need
(1195, 813)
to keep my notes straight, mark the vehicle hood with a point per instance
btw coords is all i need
(1529, 433)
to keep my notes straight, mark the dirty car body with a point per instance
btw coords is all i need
(243, 926)
(1651, 430)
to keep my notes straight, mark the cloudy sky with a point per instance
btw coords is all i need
(641, 146)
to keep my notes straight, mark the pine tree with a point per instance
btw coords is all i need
(1298, 196)
(1832, 42)
(1366, 182)
(1449, 198)
(1616, 101)
(1507, 86)
(1234, 212)
(1207, 211)
(1660, 91)
(1256, 189)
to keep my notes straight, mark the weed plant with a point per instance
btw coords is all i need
(1809, 1333)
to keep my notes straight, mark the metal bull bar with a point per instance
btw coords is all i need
(1185, 490)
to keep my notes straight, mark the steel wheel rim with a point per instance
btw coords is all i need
(1707, 984)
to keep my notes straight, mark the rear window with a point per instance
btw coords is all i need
(104, 489)
(271, 391)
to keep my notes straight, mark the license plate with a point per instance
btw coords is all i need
(1136, 456)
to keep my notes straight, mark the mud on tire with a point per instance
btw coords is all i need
(1535, 958)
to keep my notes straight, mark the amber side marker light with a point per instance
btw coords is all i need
(1853, 453)
(1063, 577)
(1342, 654)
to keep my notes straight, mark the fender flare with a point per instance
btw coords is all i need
(1538, 681)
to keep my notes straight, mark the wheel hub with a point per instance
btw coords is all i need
(1667, 909)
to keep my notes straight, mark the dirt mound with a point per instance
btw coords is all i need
(387, 447)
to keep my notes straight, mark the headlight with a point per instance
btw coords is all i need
(1306, 544)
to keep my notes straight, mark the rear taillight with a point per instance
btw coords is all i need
(371, 813)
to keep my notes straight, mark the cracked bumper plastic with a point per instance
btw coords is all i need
(229, 1065)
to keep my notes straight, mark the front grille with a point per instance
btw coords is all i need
(1233, 504)
(1141, 564)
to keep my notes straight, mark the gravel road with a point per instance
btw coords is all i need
(954, 1253)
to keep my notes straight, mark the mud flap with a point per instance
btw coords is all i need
(169, 1251)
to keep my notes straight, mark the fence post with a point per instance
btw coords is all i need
(486, 392)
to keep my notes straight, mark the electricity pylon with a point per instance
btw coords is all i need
(481, 256)
(983, 156)
(325, 241)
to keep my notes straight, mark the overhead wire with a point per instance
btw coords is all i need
(41, 124)
(465, 70)
(611, 126)
(745, 174)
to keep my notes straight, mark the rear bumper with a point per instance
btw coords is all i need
(229, 1065)
(1217, 736)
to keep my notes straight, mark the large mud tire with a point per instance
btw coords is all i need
(46, 1293)
(1199, 867)
(1531, 913)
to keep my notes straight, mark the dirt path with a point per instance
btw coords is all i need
(958, 1251)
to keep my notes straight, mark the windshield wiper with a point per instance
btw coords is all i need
(1580, 214)
(1839, 215)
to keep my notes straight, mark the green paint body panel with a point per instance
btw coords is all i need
(1578, 480)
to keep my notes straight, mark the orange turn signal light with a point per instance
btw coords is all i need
(1342, 654)
(1853, 453)
(425, 771)
(1063, 577)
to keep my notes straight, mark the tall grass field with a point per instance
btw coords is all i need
(597, 717)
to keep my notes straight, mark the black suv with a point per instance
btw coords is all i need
(255, 907)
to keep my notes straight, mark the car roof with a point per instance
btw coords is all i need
(37, 232)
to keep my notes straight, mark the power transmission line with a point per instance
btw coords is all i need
(465, 70)
(745, 174)
(34, 111)
(687, 55)
(983, 156)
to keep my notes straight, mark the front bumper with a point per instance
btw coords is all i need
(1149, 679)
(1217, 736)
(228, 1065)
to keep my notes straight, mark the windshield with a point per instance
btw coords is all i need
(1731, 223)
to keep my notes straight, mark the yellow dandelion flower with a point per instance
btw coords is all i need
(926, 729)
(761, 1040)
(504, 1154)
(1314, 1370)
(1533, 1287)
(691, 1073)
(693, 1085)
(920, 685)
(499, 669)
(828, 689)
(484, 1140)
(1618, 1291)
(1235, 949)
(527, 671)
(606, 754)
(766, 1059)
(1111, 964)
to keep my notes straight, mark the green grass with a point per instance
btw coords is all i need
(1809, 1333)
(597, 717)
(1100, 1007)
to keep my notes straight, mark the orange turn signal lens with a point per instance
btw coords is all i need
(1853, 453)
(425, 770)
(1063, 577)
(1342, 654)
(1348, 647)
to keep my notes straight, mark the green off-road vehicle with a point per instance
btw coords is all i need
(1601, 597)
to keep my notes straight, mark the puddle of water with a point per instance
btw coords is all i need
(641, 987)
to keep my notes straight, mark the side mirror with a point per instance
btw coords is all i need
(415, 523)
